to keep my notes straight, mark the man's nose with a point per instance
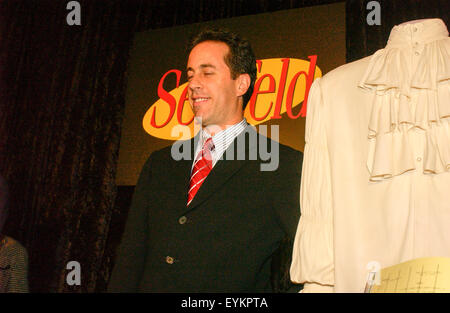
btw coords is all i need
(195, 83)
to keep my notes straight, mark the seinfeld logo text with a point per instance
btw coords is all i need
(281, 85)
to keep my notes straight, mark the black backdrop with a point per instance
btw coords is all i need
(61, 106)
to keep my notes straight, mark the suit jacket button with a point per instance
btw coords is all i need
(169, 260)
(182, 220)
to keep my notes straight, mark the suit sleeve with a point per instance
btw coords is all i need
(312, 259)
(285, 201)
(286, 198)
(130, 260)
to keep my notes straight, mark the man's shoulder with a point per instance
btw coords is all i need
(288, 150)
(167, 153)
(290, 159)
(285, 150)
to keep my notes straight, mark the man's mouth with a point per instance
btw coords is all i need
(200, 100)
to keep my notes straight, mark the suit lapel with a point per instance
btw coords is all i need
(181, 172)
(224, 168)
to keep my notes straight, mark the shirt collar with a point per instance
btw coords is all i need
(420, 32)
(223, 139)
(232, 130)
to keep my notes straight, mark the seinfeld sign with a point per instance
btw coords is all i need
(281, 85)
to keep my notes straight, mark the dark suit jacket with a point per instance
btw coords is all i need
(224, 241)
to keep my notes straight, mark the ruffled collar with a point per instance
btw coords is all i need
(410, 81)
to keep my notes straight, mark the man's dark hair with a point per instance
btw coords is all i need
(240, 60)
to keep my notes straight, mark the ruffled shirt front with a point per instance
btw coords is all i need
(411, 82)
(376, 172)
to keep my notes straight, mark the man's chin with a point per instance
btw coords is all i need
(201, 120)
(206, 124)
(198, 119)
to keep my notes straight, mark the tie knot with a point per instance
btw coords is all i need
(208, 145)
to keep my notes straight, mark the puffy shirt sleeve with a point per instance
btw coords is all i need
(312, 259)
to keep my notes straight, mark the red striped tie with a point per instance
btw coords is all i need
(201, 169)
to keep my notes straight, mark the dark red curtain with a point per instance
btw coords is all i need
(62, 101)
(364, 39)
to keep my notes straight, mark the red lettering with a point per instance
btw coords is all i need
(256, 92)
(170, 100)
(309, 81)
(178, 104)
(181, 102)
(259, 65)
(280, 93)
(290, 95)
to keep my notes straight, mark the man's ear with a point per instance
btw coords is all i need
(243, 82)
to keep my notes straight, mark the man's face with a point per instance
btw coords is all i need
(213, 94)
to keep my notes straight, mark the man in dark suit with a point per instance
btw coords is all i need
(213, 222)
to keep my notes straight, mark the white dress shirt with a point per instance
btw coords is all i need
(221, 140)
